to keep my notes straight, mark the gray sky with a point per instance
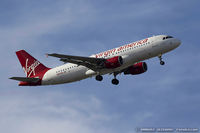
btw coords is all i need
(164, 96)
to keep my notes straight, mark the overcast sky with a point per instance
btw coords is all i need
(164, 96)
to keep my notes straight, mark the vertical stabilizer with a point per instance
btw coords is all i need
(30, 65)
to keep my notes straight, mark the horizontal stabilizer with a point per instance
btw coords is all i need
(25, 79)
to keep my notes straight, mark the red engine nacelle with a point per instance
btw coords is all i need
(137, 68)
(114, 62)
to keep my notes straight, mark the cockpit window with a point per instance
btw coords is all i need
(167, 37)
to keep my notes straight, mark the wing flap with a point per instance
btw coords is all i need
(79, 63)
(90, 62)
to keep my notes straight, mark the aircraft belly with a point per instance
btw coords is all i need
(73, 76)
(66, 77)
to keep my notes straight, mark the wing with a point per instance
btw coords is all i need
(90, 62)
(25, 79)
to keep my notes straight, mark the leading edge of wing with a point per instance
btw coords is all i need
(81, 58)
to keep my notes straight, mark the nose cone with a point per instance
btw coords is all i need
(177, 42)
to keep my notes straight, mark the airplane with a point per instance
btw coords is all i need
(127, 59)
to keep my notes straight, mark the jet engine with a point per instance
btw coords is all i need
(137, 68)
(113, 62)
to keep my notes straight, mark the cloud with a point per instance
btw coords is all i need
(38, 22)
(30, 111)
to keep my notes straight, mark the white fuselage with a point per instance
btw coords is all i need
(131, 53)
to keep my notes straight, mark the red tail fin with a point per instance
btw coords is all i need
(30, 65)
